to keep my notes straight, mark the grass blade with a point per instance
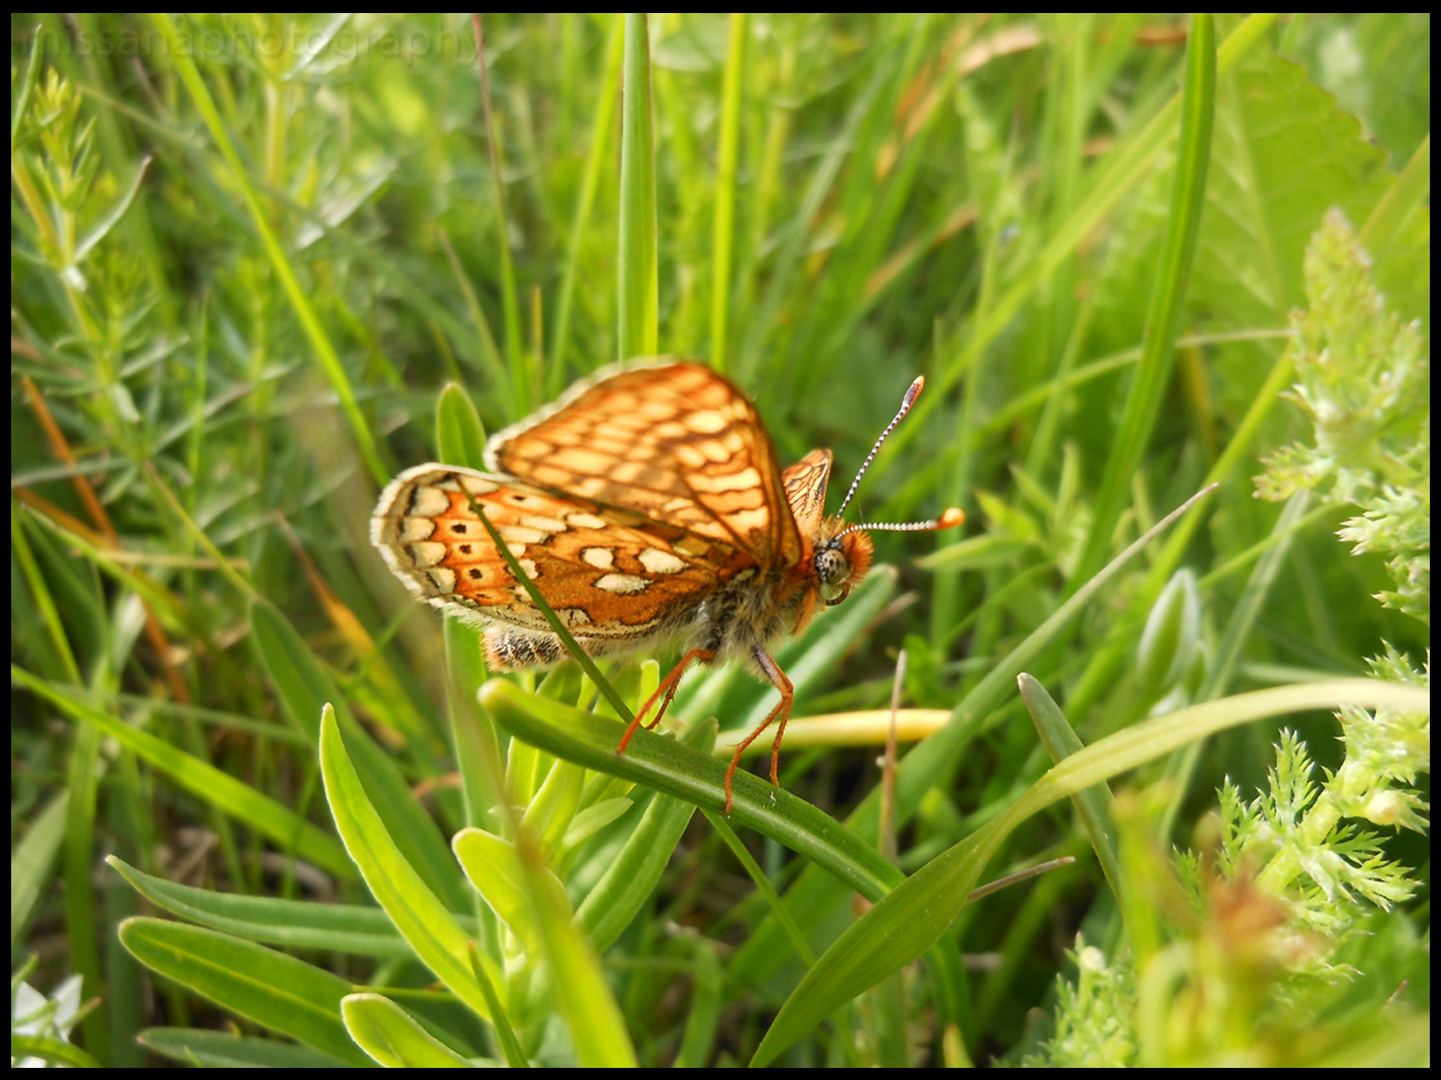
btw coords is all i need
(639, 329)
(1162, 320)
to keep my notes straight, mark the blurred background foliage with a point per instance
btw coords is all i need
(231, 314)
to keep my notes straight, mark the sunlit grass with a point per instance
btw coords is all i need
(248, 254)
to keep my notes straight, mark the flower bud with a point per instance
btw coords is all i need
(1172, 638)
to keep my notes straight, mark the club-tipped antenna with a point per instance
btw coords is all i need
(910, 399)
(949, 519)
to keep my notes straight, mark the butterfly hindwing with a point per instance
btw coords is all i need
(606, 573)
(805, 488)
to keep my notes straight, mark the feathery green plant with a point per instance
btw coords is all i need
(1294, 880)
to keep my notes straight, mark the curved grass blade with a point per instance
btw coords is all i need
(262, 813)
(1143, 405)
(639, 296)
(680, 770)
(928, 762)
(597, 1025)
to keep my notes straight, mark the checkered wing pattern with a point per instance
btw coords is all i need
(674, 443)
(606, 573)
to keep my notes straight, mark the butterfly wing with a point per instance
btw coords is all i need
(606, 573)
(674, 443)
(805, 488)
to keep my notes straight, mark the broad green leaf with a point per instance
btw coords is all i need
(432, 931)
(554, 806)
(267, 987)
(476, 743)
(459, 434)
(597, 1026)
(592, 819)
(493, 867)
(1262, 209)
(392, 1036)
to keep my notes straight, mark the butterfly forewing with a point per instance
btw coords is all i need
(607, 573)
(676, 444)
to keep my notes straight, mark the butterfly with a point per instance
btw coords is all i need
(648, 508)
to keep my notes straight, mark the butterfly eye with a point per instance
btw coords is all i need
(833, 574)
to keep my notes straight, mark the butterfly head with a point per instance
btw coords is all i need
(843, 553)
(840, 562)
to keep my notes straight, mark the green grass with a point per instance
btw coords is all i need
(249, 254)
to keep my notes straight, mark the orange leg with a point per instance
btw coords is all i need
(783, 710)
(668, 687)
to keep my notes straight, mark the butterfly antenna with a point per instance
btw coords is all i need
(910, 399)
(948, 519)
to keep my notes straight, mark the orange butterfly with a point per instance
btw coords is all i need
(648, 508)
